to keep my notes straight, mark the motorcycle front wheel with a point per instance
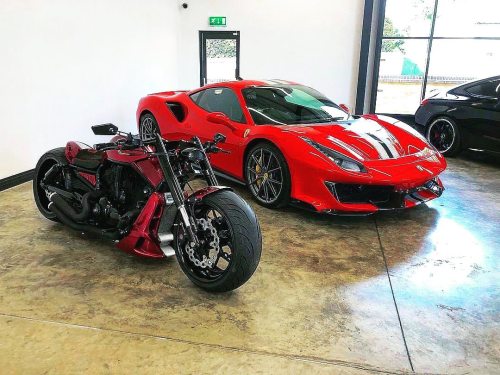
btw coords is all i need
(230, 243)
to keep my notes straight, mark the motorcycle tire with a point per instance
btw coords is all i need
(55, 156)
(245, 239)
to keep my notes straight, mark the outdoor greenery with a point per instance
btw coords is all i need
(390, 45)
(422, 9)
(217, 48)
(427, 8)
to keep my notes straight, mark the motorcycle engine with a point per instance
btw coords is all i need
(126, 193)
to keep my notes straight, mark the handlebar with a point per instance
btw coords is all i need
(128, 143)
(104, 146)
(132, 143)
(211, 147)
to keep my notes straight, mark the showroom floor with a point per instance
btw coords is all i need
(322, 300)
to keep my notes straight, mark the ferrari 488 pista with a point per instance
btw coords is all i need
(290, 144)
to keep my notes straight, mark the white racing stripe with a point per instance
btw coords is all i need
(344, 145)
(377, 136)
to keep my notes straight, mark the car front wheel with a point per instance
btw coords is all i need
(267, 175)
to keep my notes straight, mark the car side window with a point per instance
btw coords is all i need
(489, 89)
(196, 96)
(220, 99)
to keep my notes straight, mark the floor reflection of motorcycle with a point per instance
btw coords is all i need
(136, 194)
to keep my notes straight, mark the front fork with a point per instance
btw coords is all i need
(207, 171)
(176, 189)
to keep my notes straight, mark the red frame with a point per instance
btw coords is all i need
(309, 169)
(142, 238)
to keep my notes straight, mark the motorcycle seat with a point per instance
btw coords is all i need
(88, 158)
(83, 156)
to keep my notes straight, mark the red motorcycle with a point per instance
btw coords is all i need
(133, 193)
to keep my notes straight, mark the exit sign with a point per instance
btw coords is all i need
(217, 21)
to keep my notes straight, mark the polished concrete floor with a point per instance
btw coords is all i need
(396, 292)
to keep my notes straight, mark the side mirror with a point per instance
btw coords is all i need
(219, 138)
(105, 129)
(221, 119)
(345, 108)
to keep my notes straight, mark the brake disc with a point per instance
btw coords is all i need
(209, 261)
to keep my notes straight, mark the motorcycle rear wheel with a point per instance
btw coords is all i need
(239, 232)
(49, 159)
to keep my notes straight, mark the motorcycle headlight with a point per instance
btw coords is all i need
(341, 160)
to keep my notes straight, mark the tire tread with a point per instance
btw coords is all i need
(247, 245)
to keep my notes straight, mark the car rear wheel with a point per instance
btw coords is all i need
(148, 127)
(444, 134)
(267, 175)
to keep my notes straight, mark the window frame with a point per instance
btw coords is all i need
(369, 66)
(216, 34)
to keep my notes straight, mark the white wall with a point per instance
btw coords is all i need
(314, 42)
(67, 64)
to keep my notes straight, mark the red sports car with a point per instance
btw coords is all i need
(289, 143)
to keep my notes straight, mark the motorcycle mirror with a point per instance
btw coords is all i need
(219, 138)
(221, 119)
(105, 129)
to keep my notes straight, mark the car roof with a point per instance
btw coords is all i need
(248, 83)
(475, 82)
(239, 84)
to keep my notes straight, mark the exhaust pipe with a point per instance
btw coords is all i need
(69, 211)
(114, 235)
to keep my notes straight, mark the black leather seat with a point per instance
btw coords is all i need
(88, 159)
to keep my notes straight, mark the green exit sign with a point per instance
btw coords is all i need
(217, 21)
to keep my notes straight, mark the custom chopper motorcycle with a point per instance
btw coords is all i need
(135, 194)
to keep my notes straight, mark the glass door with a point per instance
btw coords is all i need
(219, 56)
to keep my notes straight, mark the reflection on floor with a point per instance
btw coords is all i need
(322, 300)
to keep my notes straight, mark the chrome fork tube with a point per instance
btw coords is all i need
(175, 188)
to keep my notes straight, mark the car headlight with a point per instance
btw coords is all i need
(341, 160)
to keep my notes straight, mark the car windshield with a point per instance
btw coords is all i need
(290, 105)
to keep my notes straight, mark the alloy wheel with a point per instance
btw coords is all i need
(212, 260)
(265, 175)
(441, 135)
(147, 129)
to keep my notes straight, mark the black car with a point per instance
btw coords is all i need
(467, 116)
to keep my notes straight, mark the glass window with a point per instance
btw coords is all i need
(401, 73)
(220, 99)
(456, 61)
(196, 96)
(467, 18)
(221, 60)
(490, 89)
(290, 104)
(410, 18)
(416, 60)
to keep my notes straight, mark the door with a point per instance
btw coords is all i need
(484, 121)
(219, 56)
(225, 100)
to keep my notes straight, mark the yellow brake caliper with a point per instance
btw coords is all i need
(258, 169)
